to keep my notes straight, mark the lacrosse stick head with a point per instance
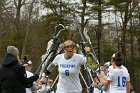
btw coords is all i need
(58, 29)
(91, 63)
(86, 34)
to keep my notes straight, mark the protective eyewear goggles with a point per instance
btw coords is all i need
(69, 46)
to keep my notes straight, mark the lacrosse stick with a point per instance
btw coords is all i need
(88, 71)
(92, 62)
(52, 48)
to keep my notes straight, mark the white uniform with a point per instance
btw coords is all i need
(29, 74)
(123, 67)
(118, 78)
(69, 70)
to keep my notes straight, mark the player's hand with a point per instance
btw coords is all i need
(87, 49)
(99, 76)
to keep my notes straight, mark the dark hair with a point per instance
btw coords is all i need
(25, 58)
(118, 59)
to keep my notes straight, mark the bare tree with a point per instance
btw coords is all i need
(18, 4)
(31, 6)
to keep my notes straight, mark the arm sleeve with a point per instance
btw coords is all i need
(51, 67)
(28, 82)
(128, 77)
(83, 59)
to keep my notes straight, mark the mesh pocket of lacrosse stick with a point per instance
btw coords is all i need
(91, 62)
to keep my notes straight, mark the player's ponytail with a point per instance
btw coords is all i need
(118, 58)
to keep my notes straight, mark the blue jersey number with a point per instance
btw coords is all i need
(121, 81)
(67, 72)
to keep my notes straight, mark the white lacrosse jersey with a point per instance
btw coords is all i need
(69, 70)
(122, 66)
(118, 78)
